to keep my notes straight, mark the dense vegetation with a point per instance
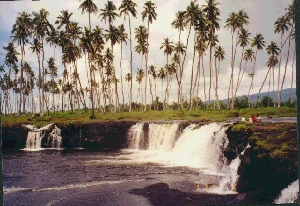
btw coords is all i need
(55, 96)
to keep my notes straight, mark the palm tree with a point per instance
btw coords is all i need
(139, 78)
(152, 72)
(271, 64)
(89, 7)
(128, 79)
(128, 7)
(273, 50)
(280, 26)
(258, 42)
(248, 56)
(53, 73)
(123, 36)
(141, 34)
(243, 40)
(162, 76)
(149, 11)
(220, 55)
(212, 12)
(64, 19)
(168, 49)
(20, 32)
(52, 38)
(109, 12)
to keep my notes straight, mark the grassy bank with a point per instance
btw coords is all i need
(210, 115)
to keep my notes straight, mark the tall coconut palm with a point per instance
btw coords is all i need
(212, 12)
(52, 38)
(128, 79)
(168, 47)
(89, 7)
(40, 28)
(273, 50)
(162, 76)
(123, 36)
(128, 7)
(243, 40)
(152, 72)
(258, 42)
(53, 73)
(141, 34)
(64, 20)
(150, 13)
(21, 32)
(109, 12)
(220, 55)
(248, 56)
(280, 26)
(271, 64)
(139, 78)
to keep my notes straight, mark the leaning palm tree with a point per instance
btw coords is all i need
(271, 64)
(128, 7)
(89, 7)
(20, 33)
(280, 26)
(150, 13)
(212, 12)
(243, 40)
(258, 42)
(123, 36)
(273, 50)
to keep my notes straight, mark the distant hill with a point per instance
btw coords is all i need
(285, 95)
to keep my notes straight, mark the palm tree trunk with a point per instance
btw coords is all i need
(192, 76)
(262, 85)
(146, 75)
(287, 59)
(278, 91)
(238, 79)
(251, 86)
(122, 75)
(291, 97)
(130, 108)
(231, 76)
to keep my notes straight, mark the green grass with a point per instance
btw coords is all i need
(201, 115)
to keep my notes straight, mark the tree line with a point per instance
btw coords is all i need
(34, 31)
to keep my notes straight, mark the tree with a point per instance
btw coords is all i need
(212, 12)
(266, 101)
(53, 73)
(220, 55)
(128, 7)
(273, 50)
(243, 40)
(20, 32)
(258, 42)
(64, 20)
(150, 13)
(271, 64)
(123, 36)
(89, 7)
(280, 26)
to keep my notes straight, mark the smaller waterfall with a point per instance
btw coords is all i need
(54, 138)
(289, 194)
(136, 135)
(34, 139)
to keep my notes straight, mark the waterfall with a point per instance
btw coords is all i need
(35, 136)
(54, 138)
(196, 147)
(136, 135)
(289, 194)
(162, 136)
(34, 139)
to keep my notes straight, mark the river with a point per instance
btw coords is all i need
(190, 162)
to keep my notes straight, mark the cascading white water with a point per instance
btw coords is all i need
(34, 139)
(289, 194)
(54, 138)
(162, 136)
(136, 136)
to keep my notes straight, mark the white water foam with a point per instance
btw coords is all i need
(66, 187)
(54, 138)
(136, 135)
(34, 139)
(289, 194)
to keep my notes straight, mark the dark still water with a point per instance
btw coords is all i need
(76, 177)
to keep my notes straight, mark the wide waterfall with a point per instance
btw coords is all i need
(196, 146)
(289, 194)
(35, 136)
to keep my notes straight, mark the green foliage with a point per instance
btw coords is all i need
(233, 114)
(266, 101)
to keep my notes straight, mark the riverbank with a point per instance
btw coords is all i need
(79, 117)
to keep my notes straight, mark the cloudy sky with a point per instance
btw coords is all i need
(262, 15)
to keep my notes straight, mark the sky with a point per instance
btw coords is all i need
(262, 16)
